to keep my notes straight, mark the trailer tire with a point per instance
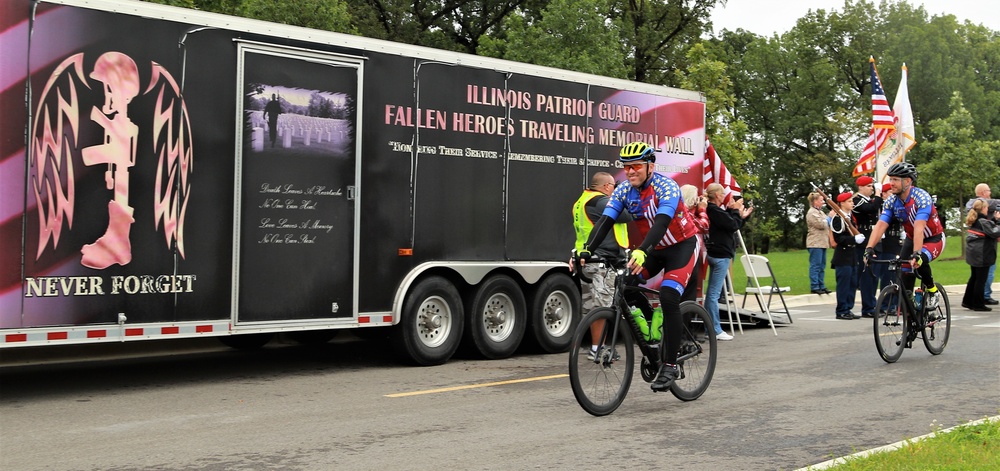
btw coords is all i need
(430, 327)
(497, 317)
(555, 312)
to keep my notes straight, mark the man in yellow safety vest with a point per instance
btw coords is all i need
(586, 211)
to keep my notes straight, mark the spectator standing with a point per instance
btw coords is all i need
(696, 206)
(723, 224)
(817, 241)
(844, 261)
(586, 211)
(867, 209)
(983, 192)
(980, 253)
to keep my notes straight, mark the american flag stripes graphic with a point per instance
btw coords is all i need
(715, 171)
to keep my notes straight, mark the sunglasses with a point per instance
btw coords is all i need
(635, 166)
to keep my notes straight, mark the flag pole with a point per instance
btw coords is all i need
(906, 149)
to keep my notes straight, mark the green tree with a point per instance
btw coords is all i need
(328, 15)
(458, 25)
(956, 161)
(658, 33)
(570, 34)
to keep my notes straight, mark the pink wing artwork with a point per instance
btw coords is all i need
(54, 140)
(173, 150)
(55, 146)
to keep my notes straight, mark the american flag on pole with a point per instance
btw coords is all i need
(715, 171)
(901, 139)
(882, 125)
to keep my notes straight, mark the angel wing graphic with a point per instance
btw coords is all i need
(172, 146)
(54, 140)
(55, 148)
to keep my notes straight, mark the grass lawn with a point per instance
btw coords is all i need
(971, 447)
(792, 268)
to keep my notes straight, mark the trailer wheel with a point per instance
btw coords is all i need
(497, 317)
(555, 311)
(246, 341)
(430, 329)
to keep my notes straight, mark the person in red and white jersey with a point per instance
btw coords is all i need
(914, 208)
(668, 245)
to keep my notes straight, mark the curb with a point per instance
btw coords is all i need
(891, 447)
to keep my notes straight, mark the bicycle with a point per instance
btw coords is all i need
(601, 379)
(898, 319)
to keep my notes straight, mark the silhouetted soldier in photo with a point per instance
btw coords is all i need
(271, 112)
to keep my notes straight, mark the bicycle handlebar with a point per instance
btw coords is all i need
(593, 258)
(896, 259)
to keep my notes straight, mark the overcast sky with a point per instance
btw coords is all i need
(766, 17)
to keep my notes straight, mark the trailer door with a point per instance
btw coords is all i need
(295, 256)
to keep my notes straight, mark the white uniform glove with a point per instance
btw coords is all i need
(859, 238)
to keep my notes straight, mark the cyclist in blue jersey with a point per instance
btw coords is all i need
(914, 208)
(669, 243)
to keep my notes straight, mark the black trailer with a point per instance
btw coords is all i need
(173, 173)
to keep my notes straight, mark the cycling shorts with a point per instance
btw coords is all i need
(931, 249)
(677, 262)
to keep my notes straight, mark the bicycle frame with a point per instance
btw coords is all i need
(600, 371)
(897, 326)
(650, 349)
(910, 313)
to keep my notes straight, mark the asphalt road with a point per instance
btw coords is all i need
(816, 390)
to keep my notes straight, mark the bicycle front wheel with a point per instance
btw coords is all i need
(697, 354)
(937, 325)
(601, 364)
(890, 324)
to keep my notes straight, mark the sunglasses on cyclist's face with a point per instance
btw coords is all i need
(635, 167)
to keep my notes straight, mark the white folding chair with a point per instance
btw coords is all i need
(756, 268)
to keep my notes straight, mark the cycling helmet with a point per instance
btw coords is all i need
(903, 170)
(637, 151)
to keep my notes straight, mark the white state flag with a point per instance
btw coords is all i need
(901, 140)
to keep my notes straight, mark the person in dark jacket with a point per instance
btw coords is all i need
(867, 209)
(723, 223)
(844, 261)
(983, 192)
(980, 253)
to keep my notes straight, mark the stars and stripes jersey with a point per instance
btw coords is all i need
(918, 206)
(659, 195)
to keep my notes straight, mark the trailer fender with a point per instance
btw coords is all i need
(473, 274)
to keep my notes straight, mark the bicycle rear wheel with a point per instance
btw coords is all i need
(697, 354)
(601, 378)
(937, 325)
(890, 324)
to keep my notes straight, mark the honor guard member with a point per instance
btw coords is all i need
(867, 209)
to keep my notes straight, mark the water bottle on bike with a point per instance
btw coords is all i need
(652, 330)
